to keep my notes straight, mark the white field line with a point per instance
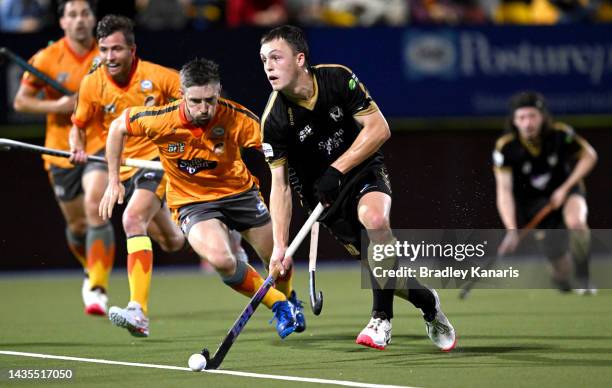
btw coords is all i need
(222, 372)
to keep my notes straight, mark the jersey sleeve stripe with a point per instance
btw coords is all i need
(267, 110)
(243, 111)
(153, 112)
(278, 163)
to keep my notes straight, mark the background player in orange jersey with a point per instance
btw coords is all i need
(68, 60)
(209, 187)
(123, 80)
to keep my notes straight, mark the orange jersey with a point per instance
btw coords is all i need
(101, 101)
(202, 163)
(59, 62)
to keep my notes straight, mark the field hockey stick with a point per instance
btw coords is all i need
(37, 73)
(535, 221)
(249, 310)
(8, 144)
(316, 299)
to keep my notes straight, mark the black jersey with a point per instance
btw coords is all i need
(537, 171)
(311, 135)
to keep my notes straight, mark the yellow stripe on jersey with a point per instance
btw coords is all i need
(502, 141)
(266, 112)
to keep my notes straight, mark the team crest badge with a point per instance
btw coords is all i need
(110, 108)
(336, 113)
(146, 85)
(219, 148)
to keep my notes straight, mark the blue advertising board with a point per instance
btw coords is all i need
(465, 72)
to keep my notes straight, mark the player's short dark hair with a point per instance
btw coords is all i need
(61, 6)
(529, 99)
(113, 23)
(199, 72)
(293, 35)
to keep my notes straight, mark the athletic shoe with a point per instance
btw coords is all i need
(131, 318)
(563, 286)
(440, 330)
(95, 300)
(285, 318)
(377, 334)
(587, 288)
(298, 311)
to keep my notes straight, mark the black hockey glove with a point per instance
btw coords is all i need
(328, 186)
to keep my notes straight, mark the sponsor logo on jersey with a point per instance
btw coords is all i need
(267, 150)
(176, 147)
(336, 113)
(290, 114)
(219, 148)
(333, 142)
(146, 85)
(304, 133)
(540, 181)
(353, 82)
(196, 165)
(149, 175)
(110, 108)
(217, 132)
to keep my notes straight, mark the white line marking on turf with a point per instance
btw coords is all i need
(222, 372)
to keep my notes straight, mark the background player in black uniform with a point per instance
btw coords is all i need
(538, 162)
(322, 127)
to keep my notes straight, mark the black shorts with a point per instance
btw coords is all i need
(527, 209)
(342, 219)
(146, 179)
(552, 237)
(239, 212)
(67, 183)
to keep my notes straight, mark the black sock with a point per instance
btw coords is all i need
(580, 247)
(382, 303)
(423, 299)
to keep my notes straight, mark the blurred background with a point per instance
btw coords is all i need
(440, 70)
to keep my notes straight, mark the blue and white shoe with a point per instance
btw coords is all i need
(298, 309)
(285, 318)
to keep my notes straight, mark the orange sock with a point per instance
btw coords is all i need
(100, 254)
(139, 265)
(284, 283)
(76, 244)
(247, 281)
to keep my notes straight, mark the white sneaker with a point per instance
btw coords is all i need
(440, 330)
(95, 300)
(131, 318)
(377, 334)
(588, 290)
